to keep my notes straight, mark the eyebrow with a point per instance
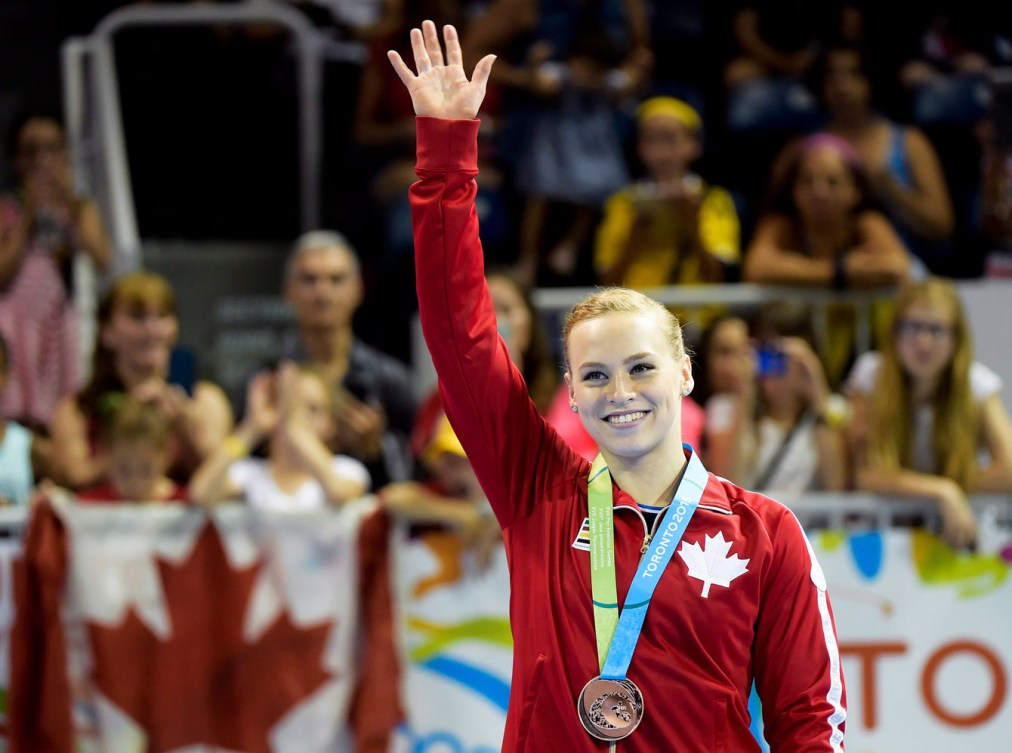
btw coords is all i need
(595, 364)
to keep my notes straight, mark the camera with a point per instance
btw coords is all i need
(770, 361)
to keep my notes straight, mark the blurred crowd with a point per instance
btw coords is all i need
(623, 142)
(833, 145)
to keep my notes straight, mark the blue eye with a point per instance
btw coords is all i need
(641, 367)
(593, 375)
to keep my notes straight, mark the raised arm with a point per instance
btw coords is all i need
(483, 393)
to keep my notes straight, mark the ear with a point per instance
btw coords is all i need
(569, 385)
(687, 381)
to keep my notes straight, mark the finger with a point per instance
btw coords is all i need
(482, 71)
(422, 62)
(432, 45)
(453, 54)
(400, 67)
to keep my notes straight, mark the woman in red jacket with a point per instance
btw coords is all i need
(744, 600)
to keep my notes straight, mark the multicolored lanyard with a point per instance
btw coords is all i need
(617, 634)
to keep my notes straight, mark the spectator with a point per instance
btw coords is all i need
(384, 126)
(323, 284)
(23, 455)
(777, 427)
(137, 330)
(819, 229)
(44, 226)
(577, 61)
(924, 410)
(903, 168)
(450, 497)
(293, 408)
(670, 228)
(783, 38)
(957, 39)
(137, 439)
(726, 384)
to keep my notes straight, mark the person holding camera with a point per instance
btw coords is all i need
(45, 225)
(772, 422)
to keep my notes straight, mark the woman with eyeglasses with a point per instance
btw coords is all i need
(924, 410)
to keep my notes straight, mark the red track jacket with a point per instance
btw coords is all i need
(701, 647)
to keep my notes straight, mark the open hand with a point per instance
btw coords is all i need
(441, 90)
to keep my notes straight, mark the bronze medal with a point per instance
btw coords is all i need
(610, 709)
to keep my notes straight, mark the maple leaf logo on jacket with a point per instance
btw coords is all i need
(711, 564)
(207, 684)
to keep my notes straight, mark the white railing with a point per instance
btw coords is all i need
(95, 124)
(740, 295)
(818, 510)
(554, 302)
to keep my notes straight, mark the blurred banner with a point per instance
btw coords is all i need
(925, 638)
(456, 642)
(169, 616)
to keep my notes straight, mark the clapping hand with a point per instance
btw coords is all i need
(441, 89)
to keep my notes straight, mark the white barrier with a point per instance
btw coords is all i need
(924, 631)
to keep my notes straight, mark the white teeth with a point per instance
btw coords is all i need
(625, 417)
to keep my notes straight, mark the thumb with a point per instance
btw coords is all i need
(482, 71)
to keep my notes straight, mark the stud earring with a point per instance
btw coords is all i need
(572, 407)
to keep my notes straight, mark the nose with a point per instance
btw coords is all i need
(621, 389)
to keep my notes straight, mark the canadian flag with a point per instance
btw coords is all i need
(163, 628)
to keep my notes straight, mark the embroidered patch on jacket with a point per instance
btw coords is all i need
(582, 540)
(711, 564)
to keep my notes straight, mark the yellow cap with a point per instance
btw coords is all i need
(443, 440)
(672, 108)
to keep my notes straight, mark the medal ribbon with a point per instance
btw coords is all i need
(617, 634)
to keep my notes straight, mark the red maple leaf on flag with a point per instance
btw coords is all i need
(206, 684)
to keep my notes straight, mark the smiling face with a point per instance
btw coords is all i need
(825, 190)
(667, 147)
(626, 380)
(141, 334)
(925, 340)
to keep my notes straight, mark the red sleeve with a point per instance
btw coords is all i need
(511, 448)
(38, 710)
(797, 659)
(376, 709)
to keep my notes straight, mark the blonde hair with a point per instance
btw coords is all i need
(955, 431)
(617, 300)
(139, 424)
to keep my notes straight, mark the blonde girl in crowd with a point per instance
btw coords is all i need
(929, 420)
